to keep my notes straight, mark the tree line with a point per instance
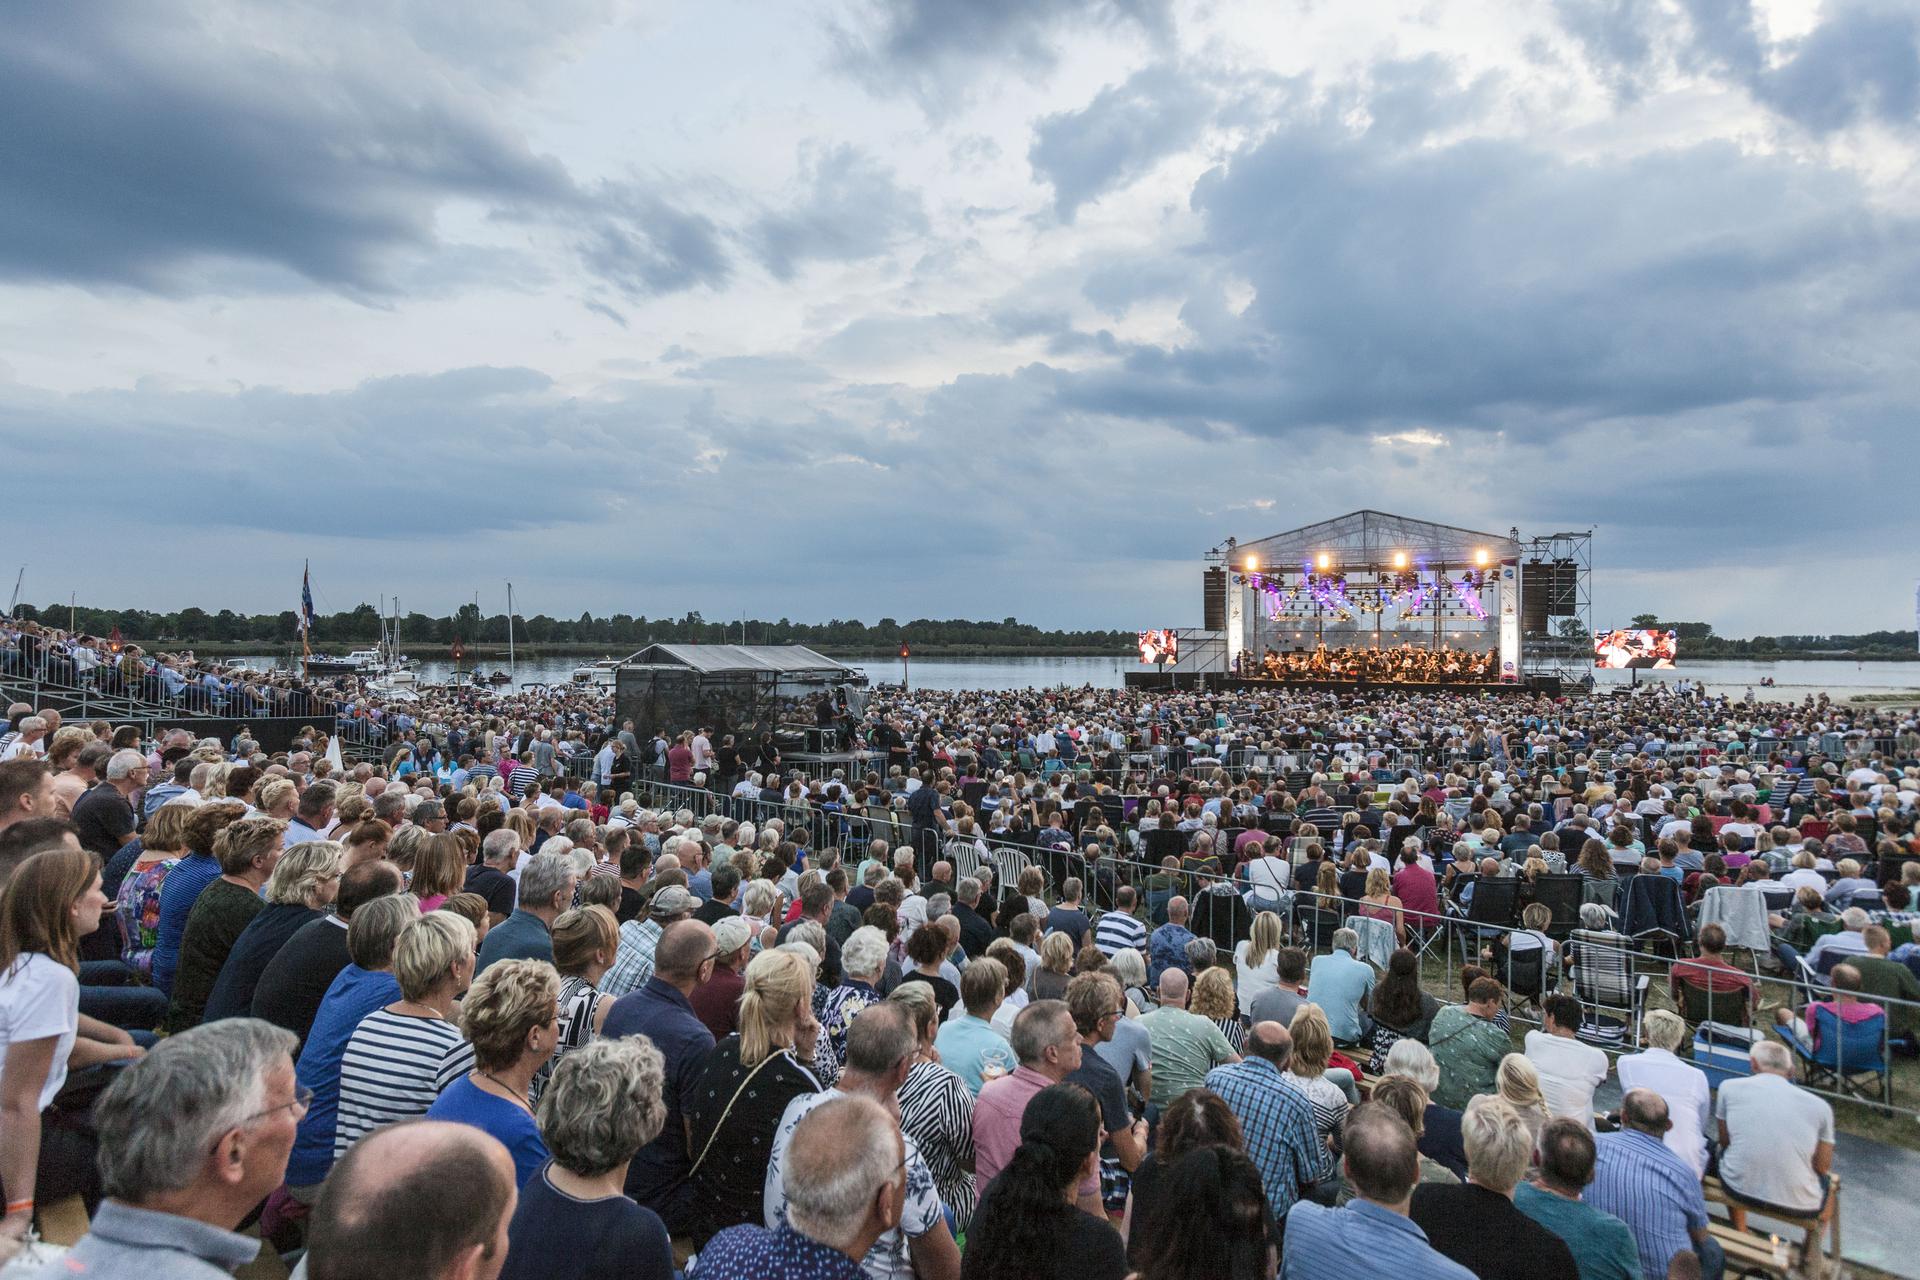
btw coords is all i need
(620, 631)
(1698, 641)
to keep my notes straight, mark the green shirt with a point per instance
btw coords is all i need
(1185, 1047)
(1468, 1050)
(1602, 1245)
(1880, 976)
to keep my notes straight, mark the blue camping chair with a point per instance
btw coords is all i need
(1847, 1053)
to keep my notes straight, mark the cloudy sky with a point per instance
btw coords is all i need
(954, 307)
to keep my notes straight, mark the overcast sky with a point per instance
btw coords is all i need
(954, 307)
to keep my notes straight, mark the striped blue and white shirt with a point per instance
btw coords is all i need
(1640, 1180)
(394, 1068)
(1118, 931)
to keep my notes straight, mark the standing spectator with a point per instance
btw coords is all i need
(743, 1089)
(1475, 1223)
(936, 1109)
(585, 941)
(192, 1138)
(574, 1221)
(491, 878)
(546, 889)
(1185, 1045)
(1276, 1119)
(845, 1180)
(400, 1058)
(1027, 1224)
(423, 1198)
(47, 1148)
(1640, 1181)
(1776, 1141)
(511, 1018)
(1468, 1044)
(1683, 1086)
(304, 883)
(1569, 1070)
(1374, 1233)
(1603, 1247)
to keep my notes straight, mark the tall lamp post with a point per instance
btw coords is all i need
(904, 655)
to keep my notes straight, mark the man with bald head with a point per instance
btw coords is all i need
(421, 1198)
(1275, 1117)
(1185, 1046)
(662, 1010)
(1643, 1182)
(1372, 1233)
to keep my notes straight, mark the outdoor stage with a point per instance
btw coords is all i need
(1239, 684)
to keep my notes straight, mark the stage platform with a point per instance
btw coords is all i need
(1215, 680)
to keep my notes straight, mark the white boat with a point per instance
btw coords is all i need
(600, 673)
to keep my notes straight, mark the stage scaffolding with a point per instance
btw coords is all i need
(1374, 579)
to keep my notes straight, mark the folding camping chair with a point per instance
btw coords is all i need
(1847, 1052)
(1604, 983)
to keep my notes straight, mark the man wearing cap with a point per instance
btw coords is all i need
(716, 1002)
(639, 938)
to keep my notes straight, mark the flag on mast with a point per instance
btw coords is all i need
(306, 611)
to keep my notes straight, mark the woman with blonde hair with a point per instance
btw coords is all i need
(511, 1017)
(303, 885)
(137, 902)
(1519, 1084)
(1213, 998)
(404, 848)
(1307, 1072)
(936, 1110)
(1379, 903)
(743, 1089)
(278, 798)
(1256, 962)
(439, 870)
(1056, 967)
(400, 1057)
(585, 942)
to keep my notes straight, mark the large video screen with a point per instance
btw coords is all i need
(1625, 649)
(1159, 646)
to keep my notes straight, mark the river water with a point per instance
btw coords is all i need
(1792, 680)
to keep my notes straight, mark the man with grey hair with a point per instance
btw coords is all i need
(313, 816)
(1046, 1041)
(104, 815)
(546, 889)
(29, 740)
(192, 1138)
(881, 1049)
(390, 807)
(1641, 1181)
(1340, 982)
(1776, 1140)
(1475, 1222)
(845, 1181)
(976, 931)
(493, 878)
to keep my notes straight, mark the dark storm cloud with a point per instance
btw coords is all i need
(147, 146)
(932, 49)
(849, 208)
(1118, 136)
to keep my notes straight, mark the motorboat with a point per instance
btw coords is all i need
(600, 673)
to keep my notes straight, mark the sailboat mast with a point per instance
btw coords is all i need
(510, 670)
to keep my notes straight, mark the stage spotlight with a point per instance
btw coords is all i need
(1480, 557)
(1399, 559)
(1253, 563)
(1325, 562)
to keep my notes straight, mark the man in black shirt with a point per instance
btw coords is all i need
(296, 979)
(104, 815)
(1475, 1222)
(726, 882)
(976, 931)
(489, 877)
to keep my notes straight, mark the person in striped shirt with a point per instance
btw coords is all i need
(1119, 929)
(400, 1057)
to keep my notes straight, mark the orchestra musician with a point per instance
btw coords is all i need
(1405, 663)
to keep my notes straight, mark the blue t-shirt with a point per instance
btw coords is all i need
(521, 936)
(554, 1236)
(355, 993)
(464, 1102)
(178, 893)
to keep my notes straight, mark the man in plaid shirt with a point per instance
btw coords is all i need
(1275, 1117)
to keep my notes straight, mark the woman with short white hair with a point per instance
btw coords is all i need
(1660, 1069)
(604, 1102)
(863, 963)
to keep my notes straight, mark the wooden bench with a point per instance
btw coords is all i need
(1755, 1248)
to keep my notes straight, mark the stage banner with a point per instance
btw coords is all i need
(1509, 620)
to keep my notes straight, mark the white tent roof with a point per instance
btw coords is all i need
(736, 657)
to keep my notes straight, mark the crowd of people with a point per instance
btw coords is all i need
(1026, 989)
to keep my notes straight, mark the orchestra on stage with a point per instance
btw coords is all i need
(1399, 664)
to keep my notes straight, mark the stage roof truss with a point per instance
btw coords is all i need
(1367, 541)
